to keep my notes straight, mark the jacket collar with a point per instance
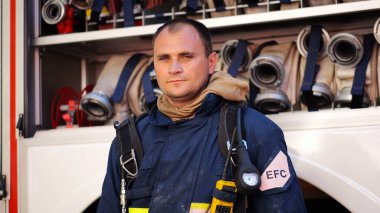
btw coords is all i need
(210, 104)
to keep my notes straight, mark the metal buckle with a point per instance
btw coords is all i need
(134, 161)
(234, 150)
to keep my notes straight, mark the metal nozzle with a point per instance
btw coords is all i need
(227, 51)
(303, 42)
(272, 101)
(321, 94)
(345, 50)
(267, 71)
(97, 104)
(53, 11)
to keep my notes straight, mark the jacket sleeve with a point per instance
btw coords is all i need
(109, 200)
(280, 190)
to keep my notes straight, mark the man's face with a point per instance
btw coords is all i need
(181, 65)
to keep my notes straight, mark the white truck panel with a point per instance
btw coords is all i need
(64, 169)
(337, 151)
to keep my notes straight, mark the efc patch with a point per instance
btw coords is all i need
(276, 174)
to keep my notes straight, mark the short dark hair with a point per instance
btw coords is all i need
(176, 24)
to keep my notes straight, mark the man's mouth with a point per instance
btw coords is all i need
(175, 80)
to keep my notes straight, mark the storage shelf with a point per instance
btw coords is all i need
(96, 44)
(215, 23)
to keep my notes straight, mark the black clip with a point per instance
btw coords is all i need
(3, 187)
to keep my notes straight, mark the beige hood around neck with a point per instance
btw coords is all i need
(221, 84)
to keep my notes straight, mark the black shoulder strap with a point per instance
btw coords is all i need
(131, 150)
(223, 136)
(227, 125)
(136, 143)
(131, 153)
(226, 129)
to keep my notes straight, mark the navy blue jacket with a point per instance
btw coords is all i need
(182, 162)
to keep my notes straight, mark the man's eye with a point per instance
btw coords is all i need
(186, 57)
(163, 58)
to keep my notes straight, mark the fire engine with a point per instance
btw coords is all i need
(54, 153)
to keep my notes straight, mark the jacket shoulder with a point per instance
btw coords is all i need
(253, 118)
(260, 129)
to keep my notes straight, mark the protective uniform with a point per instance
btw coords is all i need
(182, 162)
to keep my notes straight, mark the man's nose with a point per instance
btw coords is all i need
(176, 67)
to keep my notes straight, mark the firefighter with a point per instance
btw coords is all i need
(182, 160)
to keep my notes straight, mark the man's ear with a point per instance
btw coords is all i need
(212, 59)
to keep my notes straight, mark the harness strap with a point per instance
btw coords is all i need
(224, 129)
(123, 135)
(357, 90)
(311, 67)
(125, 150)
(225, 134)
(130, 158)
(136, 142)
(228, 113)
(129, 140)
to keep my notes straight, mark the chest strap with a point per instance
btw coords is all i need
(231, 134)
(129, 140)
(131, 153)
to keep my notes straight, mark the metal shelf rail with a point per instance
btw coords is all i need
(214, 23)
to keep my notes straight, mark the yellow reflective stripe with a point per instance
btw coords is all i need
(138, 210)
(194, 207)
(199, 207)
